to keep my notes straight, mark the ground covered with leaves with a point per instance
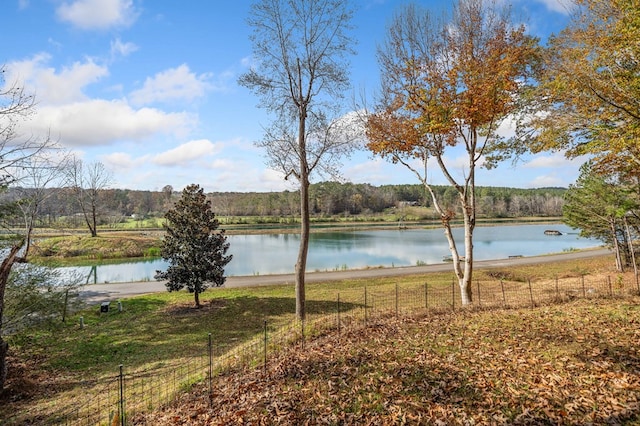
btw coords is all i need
(576, 363)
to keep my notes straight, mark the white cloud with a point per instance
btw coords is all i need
(245, 177)
(560, 6)
(273, 180)
(119, 161)
(67, 112)
(118, 48)
(223, 164)
(545, 181)
(170, 85)
(186, 153)
(97, 14)
(101, 122)
(52, 87)
(247, 62)
(555, 160)
(371, 171)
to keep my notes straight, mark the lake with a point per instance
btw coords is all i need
(277, 253)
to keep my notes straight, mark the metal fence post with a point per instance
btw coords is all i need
(396, 300)
(121, 401)
(265, 345)
(533, 305)
(453, 294)
(338, 308)
(426, 297)
(365, 304)
(478, 285)
(210, 350)
(504, 296)
(610, 288)
(64, 308)
(584, 293)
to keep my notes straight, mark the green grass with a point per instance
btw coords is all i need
(104, 246)
(166, 325)
(161, 329)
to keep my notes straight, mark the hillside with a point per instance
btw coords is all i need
(575, 363)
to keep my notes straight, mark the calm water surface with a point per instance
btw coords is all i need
(277, 253)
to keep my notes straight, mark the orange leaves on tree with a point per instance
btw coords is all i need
(447, 83)
(589, 94)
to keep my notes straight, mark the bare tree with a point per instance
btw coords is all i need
(16, 106)
(301, 48)
(39, 178)
(167, 195)
(87, 181)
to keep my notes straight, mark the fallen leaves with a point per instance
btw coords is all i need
(576, 363)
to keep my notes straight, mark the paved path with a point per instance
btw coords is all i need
(95, 293)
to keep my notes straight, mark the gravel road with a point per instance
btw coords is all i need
(96, 293)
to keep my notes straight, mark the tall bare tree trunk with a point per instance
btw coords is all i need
(301, 264)
(616, 246)
(5, 269)
(94, 219)
(630, 243)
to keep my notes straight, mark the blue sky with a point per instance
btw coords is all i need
(149, 88)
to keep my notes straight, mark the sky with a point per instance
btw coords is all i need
(150, 89)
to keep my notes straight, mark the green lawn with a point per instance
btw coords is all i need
(52, 366)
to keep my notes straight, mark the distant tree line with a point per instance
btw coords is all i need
(327, 199)
(333, 198)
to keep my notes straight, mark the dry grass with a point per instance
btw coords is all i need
(56, 369)
(576, 363)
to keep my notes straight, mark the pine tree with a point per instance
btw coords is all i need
(193, 245)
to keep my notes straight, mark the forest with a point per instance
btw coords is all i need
(60, 206)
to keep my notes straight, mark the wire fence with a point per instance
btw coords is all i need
(117, 399)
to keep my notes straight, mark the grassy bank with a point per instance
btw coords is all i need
(571, 364)
(51, 367)
(106, 246)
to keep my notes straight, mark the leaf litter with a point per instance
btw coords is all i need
(576, 363)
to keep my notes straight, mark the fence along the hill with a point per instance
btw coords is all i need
(115, 400)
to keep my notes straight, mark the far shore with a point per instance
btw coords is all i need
(75, 247)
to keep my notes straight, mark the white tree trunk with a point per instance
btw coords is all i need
(467, 275)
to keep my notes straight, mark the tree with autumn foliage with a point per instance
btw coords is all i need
(193, 245)
(589, 97)
(449, 85)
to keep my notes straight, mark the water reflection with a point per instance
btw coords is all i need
(277, 253)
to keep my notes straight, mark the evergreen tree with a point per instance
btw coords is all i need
(193, 245)
(602, 206)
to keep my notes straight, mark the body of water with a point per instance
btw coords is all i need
(277, 253)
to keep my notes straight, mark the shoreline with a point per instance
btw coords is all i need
(94, 293)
